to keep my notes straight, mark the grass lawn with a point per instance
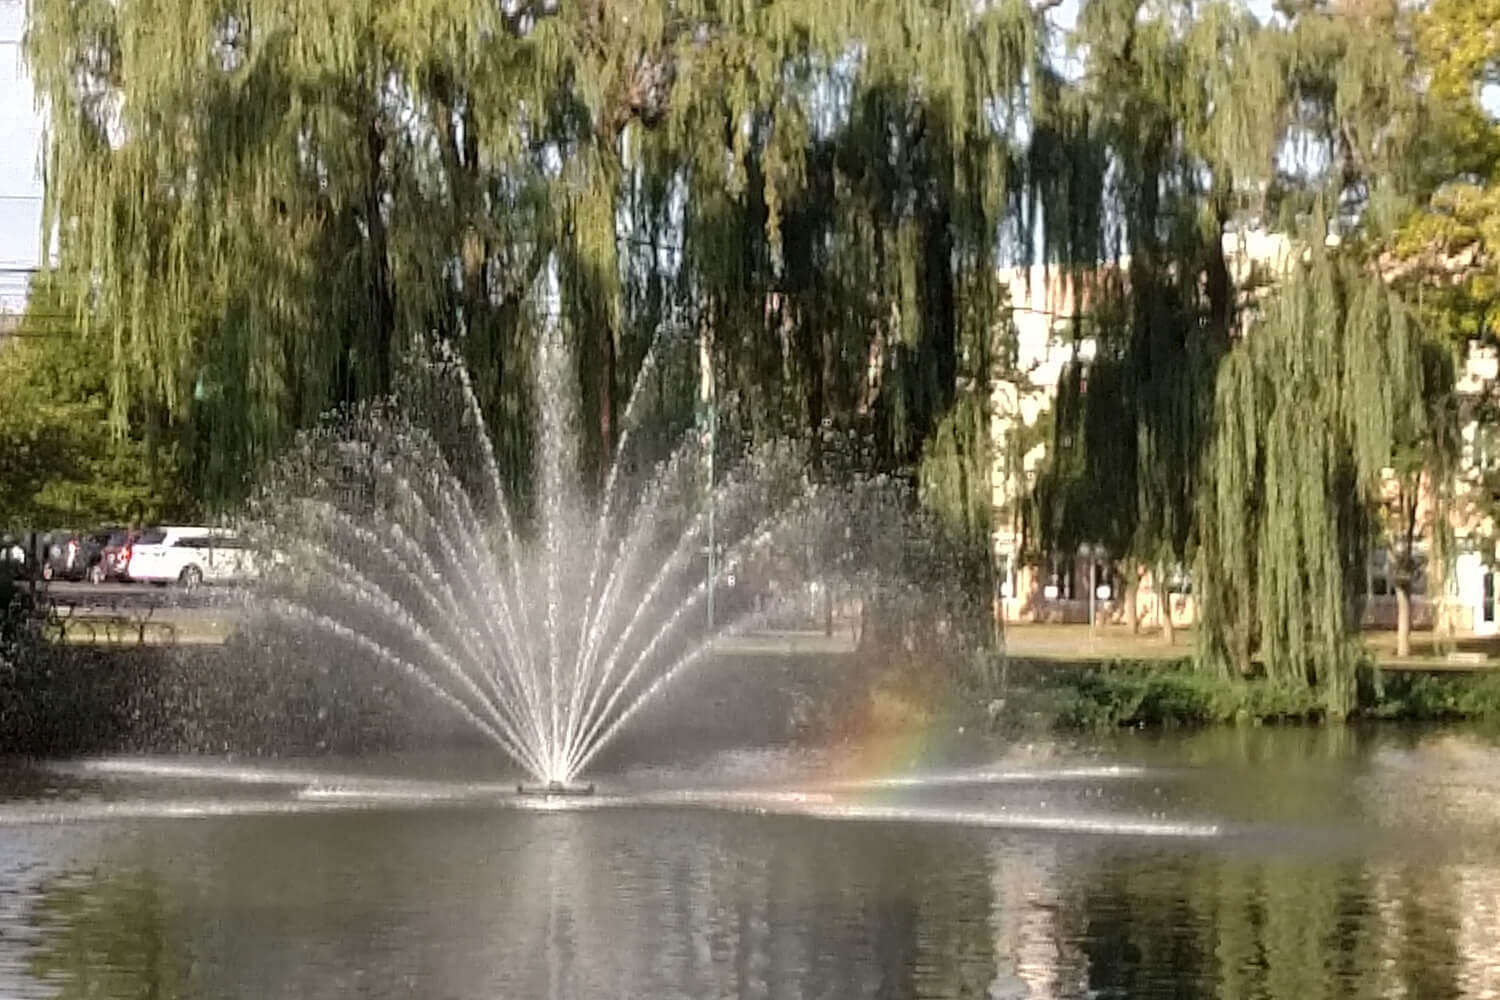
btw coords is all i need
(1074, 643)
(1061, 643)
(84, 631)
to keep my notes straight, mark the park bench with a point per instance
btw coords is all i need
(113, 624)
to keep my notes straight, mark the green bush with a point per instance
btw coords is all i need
(1105, 697)
(1438, 697)
(18, 623)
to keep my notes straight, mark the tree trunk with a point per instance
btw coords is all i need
(1132, 596)
(1164, 606)
(606, 400)
(1403, 619)
(1406, 567)
(381, 298)
(1220, 283)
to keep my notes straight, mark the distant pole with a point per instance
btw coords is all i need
(710, 417)
(712, 442)
(1091, 600)
(1089, 553)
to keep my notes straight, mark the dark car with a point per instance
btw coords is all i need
(77, 557)
(114, 556)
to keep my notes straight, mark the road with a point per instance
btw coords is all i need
(114, 612)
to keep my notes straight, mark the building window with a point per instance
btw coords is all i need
(1060, 583)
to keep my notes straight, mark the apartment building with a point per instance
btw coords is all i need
(1044, 303)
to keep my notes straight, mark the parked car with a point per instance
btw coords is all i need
(190, 556)
(115, 556)
(76, 557)
(13, 555)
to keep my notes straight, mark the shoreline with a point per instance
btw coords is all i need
(264, 697)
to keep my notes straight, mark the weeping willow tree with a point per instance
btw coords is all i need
(1310, 409)
(273, 203)
(276, 201)
(1424, 465)
(960, 460)
(1330, 382)
(270, 200)
(1211, 123)
(1174, 125)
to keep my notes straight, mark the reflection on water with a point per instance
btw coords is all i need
(108, 936)
(1363, 866)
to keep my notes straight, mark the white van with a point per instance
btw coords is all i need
(190, 556)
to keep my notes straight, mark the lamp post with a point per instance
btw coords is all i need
(712, 420)
(706, 395)
(1089, 552)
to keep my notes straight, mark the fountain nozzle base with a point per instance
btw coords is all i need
(553, 788)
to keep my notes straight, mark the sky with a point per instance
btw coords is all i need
(20, 179)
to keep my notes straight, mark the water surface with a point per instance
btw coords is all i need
(1292, 863)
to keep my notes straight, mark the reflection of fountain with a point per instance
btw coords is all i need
(404, 546)
(555, 788)
(1031, 959)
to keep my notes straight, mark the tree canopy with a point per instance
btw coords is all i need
(59, 464)
(270, 205)
(275, 201)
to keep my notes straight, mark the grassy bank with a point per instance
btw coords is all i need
(1092, 696)
(1111, 642)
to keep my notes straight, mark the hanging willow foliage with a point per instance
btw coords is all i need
(276, 200)
(1197, 122)
(1310, 408)
(273, 202)
(1170, 134)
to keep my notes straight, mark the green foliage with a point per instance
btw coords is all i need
(1439, 697)
(955, 472)
(111, 936)
(1090, 698)
(1310, 407)
(274, 204)
(1262, 451)
(1084, 492)
(1457, 39)
(60, 464)
(277, 201)
(1181, 120)
(1443, 255)
(1118, 695)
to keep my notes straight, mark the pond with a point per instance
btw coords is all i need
(1289, 863)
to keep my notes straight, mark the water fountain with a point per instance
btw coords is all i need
(547, 638)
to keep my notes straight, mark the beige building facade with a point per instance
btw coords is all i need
(1044, 304)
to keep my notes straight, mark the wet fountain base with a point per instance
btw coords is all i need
(555, 788)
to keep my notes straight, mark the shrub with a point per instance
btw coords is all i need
(1104, 697)
(1416, 695)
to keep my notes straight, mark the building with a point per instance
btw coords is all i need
(1044, 304)
(1470, 598)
